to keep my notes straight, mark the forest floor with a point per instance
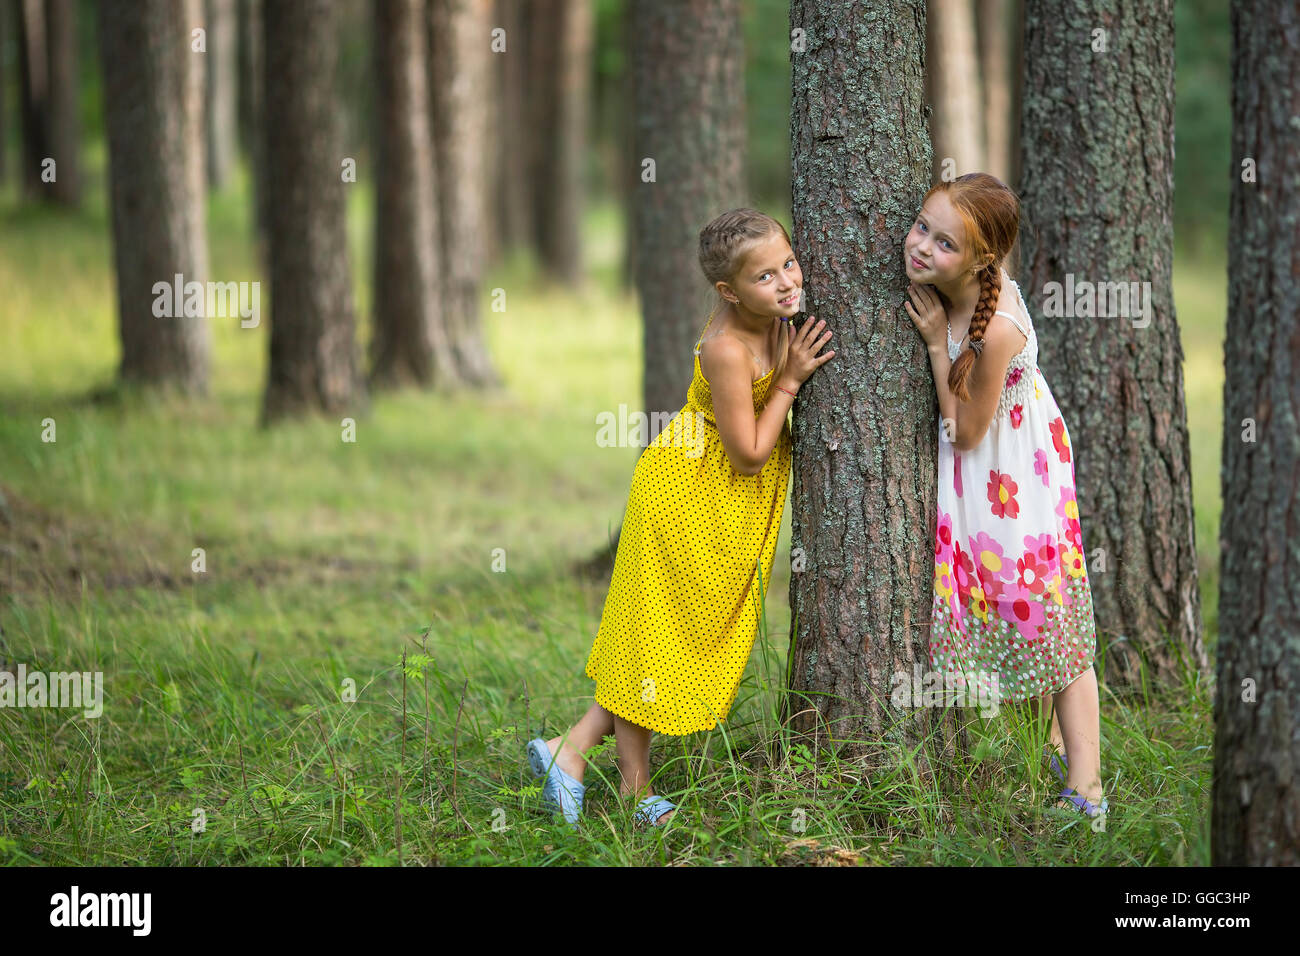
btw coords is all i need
(454, 530)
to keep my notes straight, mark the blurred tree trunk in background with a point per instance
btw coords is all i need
(63, 119)
(952, 71)
(688, 65)
(314, 358)
(993, 25)
(1098, 205)
(410, 344)
(514, 131)
(252, 127)
(153, 109)
(864, 500)
(460, 68)
(558, 95)
(223, 55)
(628, 175)
(34, 91)
(1255, 817)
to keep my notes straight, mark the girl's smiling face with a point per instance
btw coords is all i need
(769, 281)
(934, 252)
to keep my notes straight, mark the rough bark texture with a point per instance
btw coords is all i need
(1098, 202)
(314, 361)
(1256, 804)
(4, 90)
(410, 344)
(866, 425)
(559, 58)
(461, 71)
(222, 24)
(688, 63)
(153, 96)
(953, 87)
(993, 25)
(34, 93)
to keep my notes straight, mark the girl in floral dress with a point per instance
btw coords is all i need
(1012, 616)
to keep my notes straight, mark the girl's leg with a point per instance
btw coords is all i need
(634, 760)
(570, 748)
(1078, 708)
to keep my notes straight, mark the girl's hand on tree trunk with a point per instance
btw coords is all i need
(801, 355)
(927, 314)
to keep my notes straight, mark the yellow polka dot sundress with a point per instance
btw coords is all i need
(682, 610)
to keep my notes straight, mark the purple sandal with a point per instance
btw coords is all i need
(1081, 802)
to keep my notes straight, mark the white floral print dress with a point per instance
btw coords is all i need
(1012, 606)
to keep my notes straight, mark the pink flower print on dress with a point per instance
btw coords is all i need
(1002, 495)
(1017, 414)
(963, 571)
(1046, 549)
(943, 539)
(1017, 606)
(1014, 377)
(991, 566)
(1040, 464)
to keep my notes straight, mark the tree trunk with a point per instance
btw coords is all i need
(410, 344)
(34, 93)
(953, 89)
(994, 29)
(314, 361)
(63, 121)
(866, 434)
(688, 62)
(222, 55)
(515, 132)
(559, 57)
(252, 131)
(1256, 802)
(153, 95)
(461, 72)
(1098, 203)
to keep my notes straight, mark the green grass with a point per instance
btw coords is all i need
(326, 561)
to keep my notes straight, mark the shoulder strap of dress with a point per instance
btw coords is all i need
(700, 340)
(1014, 320)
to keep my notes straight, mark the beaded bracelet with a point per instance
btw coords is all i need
(786, 390)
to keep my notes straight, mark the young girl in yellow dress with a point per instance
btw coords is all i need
(702, 516)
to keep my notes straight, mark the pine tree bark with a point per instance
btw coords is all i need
(1097, 197)
(410, 344)
(314, 361)
(153, 95)
(515, 130)
(1255, 820)
(993, 26)
(559, 58)
(33, 93)
(865, 428)
(223, 53)
(63, 121)
(461, 71)
(688, 65)
(953, 88)
(252, 132)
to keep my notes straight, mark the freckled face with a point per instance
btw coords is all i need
(935, 249)
(770, 281)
